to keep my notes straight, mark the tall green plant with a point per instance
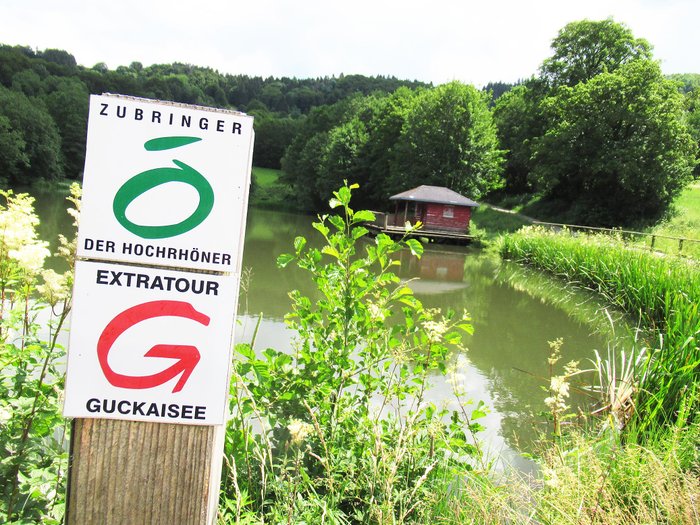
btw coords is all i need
(33, 432)
(340, 430)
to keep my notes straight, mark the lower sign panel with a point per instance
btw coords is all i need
(149, 344)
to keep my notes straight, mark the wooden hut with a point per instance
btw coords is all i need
(445, 214)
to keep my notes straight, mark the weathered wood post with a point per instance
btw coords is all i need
(165, 195)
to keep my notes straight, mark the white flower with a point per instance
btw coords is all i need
(298, 430)
(55, 288)
(5, 415)
(435, 330)
(558, 386)
(30, 257)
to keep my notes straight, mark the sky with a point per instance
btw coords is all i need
(429, 40)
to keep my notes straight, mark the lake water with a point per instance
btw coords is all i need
(515, 313)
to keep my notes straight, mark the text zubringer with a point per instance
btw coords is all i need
(181, 120)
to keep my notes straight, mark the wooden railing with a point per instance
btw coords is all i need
(624, 233)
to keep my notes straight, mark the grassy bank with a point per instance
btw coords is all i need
(267, 192)
(684, 221)
(663, 292)
(638, 462)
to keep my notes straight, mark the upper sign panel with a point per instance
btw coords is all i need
(165, 184)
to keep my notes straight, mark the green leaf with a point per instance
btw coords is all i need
(364, 216)
(321, 228)
(299, 243)
(415, 246)
(478, 414)
(467, 327)
(329, 250)
(246, 351)
(334, 203)
(359, 232)
(284, 259)
(343, 195)
(337, 221)
(453, 338)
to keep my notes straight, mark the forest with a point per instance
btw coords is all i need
(600, 135)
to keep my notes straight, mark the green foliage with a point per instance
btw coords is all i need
(519, 121)
(443, 136)
(588, 48)
(13, 157)
(601, 135)
(449, 139)
(339, 430)
(272, 137)
(617, 145)
(279, 104)
(67, 102)
(663, 291)
(33, 137)
(33, 434)
(692, 100)
(689, 82)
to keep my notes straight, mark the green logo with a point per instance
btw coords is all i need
(147, 180)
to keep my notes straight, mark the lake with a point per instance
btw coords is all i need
(515, 313)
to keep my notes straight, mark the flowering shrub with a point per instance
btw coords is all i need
(32, 431)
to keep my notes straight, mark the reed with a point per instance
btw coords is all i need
(663, 292)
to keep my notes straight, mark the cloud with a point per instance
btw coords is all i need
(436, 41)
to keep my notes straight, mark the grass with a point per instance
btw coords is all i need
(266, 177)
(268, 192)
(647, 471)
(684, 221)
(600, 480)
(664, 292)
(488, 222)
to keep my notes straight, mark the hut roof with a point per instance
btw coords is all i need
(438, 194)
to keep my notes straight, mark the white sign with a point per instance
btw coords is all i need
(149, 344)
(165, 184)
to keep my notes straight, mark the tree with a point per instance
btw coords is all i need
(302, 160)
(587, 48)
(693, 119)
(39, 135)
(689, 82)
(382, 155)
(13, 158)
(272, 137)
(449, 139)
(617, 148)
(342, 158)
(68, 105)
(519, 120)
(58, 56)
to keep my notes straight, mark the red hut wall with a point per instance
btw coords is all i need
(446, 217)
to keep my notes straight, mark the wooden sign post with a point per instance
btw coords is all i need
(156, 287)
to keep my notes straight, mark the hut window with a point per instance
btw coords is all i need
(448, 212)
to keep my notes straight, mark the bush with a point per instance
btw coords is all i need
(340, 431)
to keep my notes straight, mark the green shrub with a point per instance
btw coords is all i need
(339, 430)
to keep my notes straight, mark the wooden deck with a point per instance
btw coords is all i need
(433, 235)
